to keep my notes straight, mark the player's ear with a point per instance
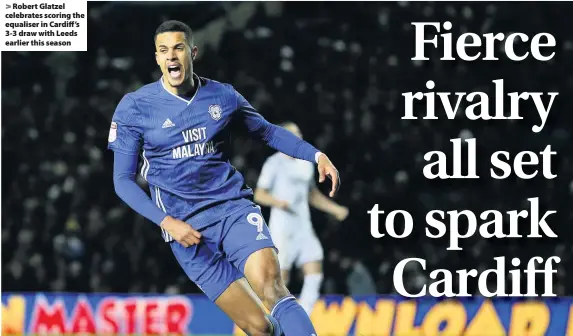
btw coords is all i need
(194, 52)
(157, 58)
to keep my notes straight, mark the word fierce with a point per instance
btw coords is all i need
(469, 46)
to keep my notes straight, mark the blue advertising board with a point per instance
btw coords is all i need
(49, 313)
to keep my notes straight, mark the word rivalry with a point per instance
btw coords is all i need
(478, 105)
(510, 276)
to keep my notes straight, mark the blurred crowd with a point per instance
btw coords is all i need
(337, 70)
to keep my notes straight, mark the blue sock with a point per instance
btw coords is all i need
(293, 319)
(277, 331)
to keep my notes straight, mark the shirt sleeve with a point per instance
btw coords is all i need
(125, 136)
(272, 135)
(267, 176)
(124, 170)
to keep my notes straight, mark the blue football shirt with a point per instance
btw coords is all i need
(185, 147)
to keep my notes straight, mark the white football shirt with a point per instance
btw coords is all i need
(289, 180)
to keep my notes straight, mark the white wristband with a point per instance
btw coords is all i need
(317, 155)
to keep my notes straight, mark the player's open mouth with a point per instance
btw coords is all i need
(174, 71)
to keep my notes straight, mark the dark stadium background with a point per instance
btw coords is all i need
(336, 69)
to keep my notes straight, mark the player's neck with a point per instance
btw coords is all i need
(187, 89)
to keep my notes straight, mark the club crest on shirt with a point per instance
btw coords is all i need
(215, 112)
(112, 132)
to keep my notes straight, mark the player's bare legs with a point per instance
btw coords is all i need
(263, 272)
(218, 278)
(243, 306)
(311, 285)
(286, 276)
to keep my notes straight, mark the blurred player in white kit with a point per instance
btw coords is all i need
(287, 185)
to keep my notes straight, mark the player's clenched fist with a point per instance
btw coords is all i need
(326, 168)
(181, 231)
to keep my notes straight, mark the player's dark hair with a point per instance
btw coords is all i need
(175, 26)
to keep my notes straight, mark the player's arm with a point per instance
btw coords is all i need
(284, 141)
(124, 170)
(265, 184)
(125, 140)
(317, 200)
(265, 198)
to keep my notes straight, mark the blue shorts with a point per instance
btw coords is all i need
(220, 258)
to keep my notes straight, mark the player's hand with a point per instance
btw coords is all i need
(283, 205)
(327, 169)
(341, 213)
(181, 231)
